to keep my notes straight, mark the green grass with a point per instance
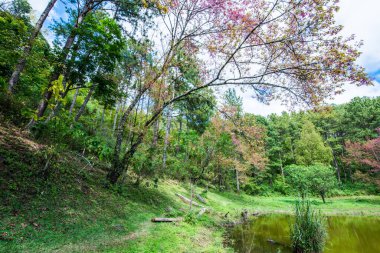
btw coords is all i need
(106, 221)
(71, 210)
(357, 205)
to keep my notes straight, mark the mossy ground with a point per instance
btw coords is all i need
(68, 208)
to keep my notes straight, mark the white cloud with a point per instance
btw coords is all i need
(253, 106)
(362, 19)
(354, 91)
(38, 5)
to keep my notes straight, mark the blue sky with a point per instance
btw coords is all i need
(376, 74)
(358, 17)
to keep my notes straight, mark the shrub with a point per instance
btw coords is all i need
(318, 179)
(281, 186)
(252, 188)
(308, 233)
(190, 218)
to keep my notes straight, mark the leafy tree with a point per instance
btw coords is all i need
(322, 179)
(317, 179)
(232, 36)
(20, 9)
(297, 176)
(310, 148)
(282, 133)
(361, 119)
(23, 7)
(83, 9)
(366, 154)
(328, 121)
(13, 33)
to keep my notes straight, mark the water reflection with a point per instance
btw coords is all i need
(270, 234)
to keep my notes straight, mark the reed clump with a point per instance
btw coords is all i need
(309, 232)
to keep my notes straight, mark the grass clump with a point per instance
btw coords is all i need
(308, 233)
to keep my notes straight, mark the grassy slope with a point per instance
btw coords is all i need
(68, 209)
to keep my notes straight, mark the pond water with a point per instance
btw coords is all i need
(271, 234)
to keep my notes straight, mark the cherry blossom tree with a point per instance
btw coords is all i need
(289, 50)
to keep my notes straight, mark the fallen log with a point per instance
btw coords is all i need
(199, 197)
(167, 219)
(188, 201)
(202, 211)
(275, 242)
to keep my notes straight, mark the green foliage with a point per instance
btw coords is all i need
(191, 218)
(281, 186)
(20, 8)
(73, 136)
(11, 109)
(355, 189)
(13, 34)
(144, 164)
(198, 110)
(361, 118)
(298, 177)
(308, 234)
(310, 148)
(317, 179)
(231, 99)
(322, 179)
(201, 144)
(252, 188)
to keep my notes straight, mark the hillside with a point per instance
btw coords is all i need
(66, 206)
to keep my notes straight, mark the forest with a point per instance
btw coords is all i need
(116, 115)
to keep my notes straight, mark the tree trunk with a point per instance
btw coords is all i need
(167, 219)
(54, 112)
(220, 177)
(115, 118)
(167, 133)
(199, 197)
(237, 181)
(83, 107)
(187, 200)
(336, 167)
(323, 198)
(74, 101)
(60, 68)
(102, 119)
(117, 167)
(156, 130)
(28, 48)
(114, 174)
(282, 170)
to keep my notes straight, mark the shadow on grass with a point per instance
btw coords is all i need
(315, 202)
(367, 201)
(154, 197)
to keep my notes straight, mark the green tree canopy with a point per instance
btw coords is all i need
(317, 179)
(310, 148)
